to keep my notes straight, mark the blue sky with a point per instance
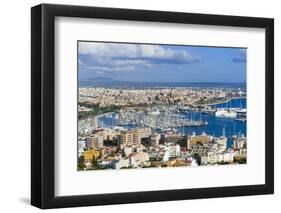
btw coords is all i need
(161, 63)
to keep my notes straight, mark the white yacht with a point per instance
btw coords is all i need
(221, 112)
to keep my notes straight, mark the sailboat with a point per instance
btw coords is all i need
(234, 135)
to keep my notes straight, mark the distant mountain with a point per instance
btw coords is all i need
(101, 79)
(98, 79)
(113, 83)
(102, 82)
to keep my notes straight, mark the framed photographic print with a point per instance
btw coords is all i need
(139, 106)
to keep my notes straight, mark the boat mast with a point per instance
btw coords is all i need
(223, 131)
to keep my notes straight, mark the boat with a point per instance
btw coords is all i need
(234, 136)
(241, 119)
(221, 112)
(154, 112)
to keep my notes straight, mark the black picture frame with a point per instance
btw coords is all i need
(43, 102)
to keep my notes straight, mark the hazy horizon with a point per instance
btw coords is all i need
(135, 80)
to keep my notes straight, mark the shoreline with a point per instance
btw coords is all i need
(223, 102)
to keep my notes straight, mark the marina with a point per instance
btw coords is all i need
(185, 122)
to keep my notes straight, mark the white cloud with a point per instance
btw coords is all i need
(126, 62)
(107, 49)
(102, 69)
(119, 56)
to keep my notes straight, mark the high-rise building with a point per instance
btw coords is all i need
(239, 143)
(155, 139)
(202, 149)
(125, 138)
(140, 133)
(214, 158)
(94, 141)
(222, 142)
(81, 147)
(175, 139)
(198, 139)
(133, 136)
(174, 150)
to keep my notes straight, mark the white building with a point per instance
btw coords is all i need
(137, 158)
(166, 156)
(239, 143)
(123, 162)
(154, 139)
(222, 142)
(228, 157)
(139, 147)
(81, 147)
(194, 163)
(214, 158)
(174, 150)
(128, 150)
(242, 153)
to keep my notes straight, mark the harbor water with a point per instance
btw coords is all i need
(217, 126)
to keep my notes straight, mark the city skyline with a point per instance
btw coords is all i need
(161, 127)
(161, 63)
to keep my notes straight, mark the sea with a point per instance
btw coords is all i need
(217, 126)
(117, 84)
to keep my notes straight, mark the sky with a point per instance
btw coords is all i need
(161, 63)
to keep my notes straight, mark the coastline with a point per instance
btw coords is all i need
(223, 102)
